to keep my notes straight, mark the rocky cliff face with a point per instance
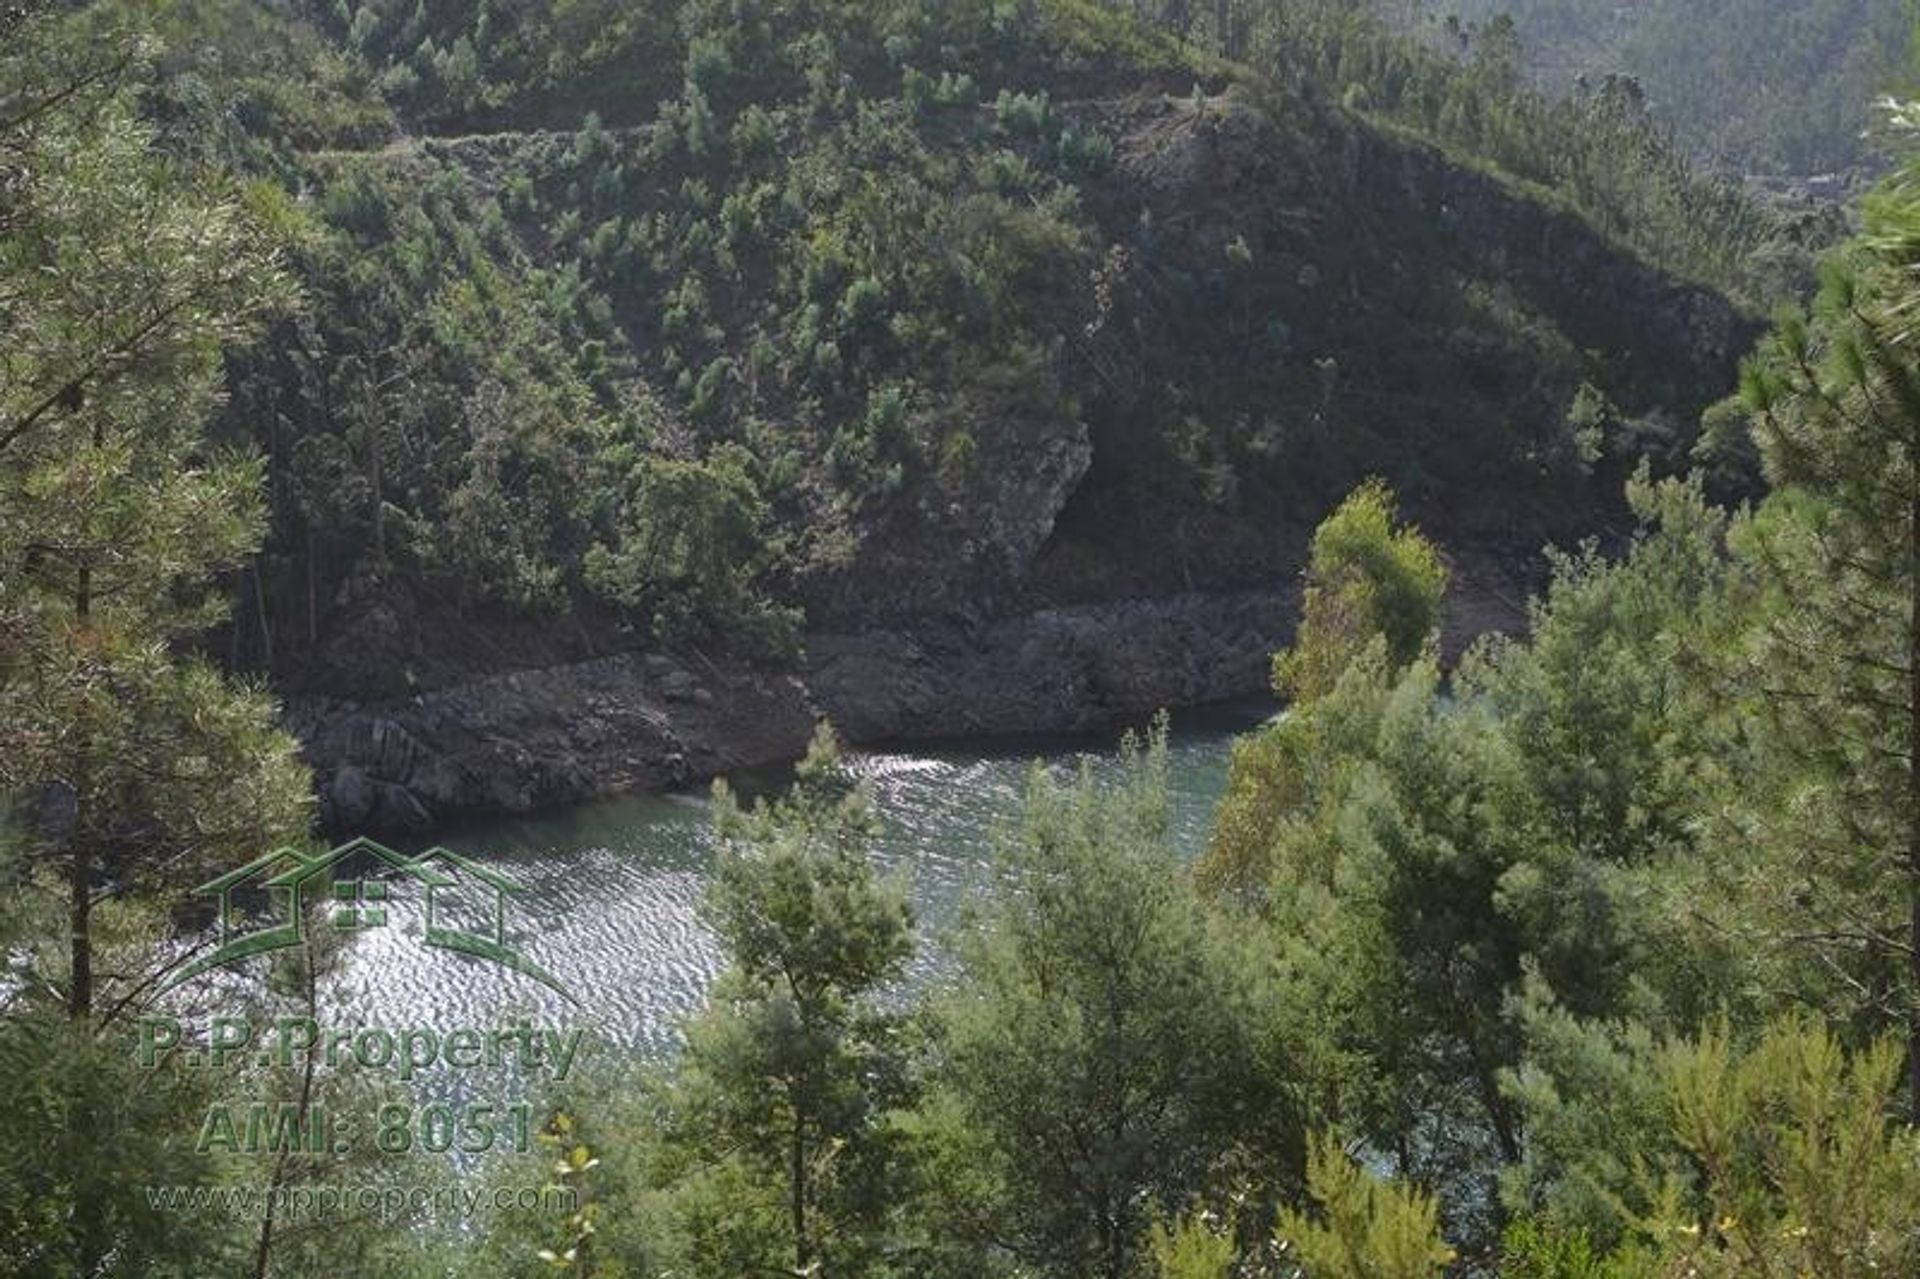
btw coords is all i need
(534, 739)
(1684, 338)
(1055, 669)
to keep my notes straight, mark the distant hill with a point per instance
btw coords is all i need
(1780, 87)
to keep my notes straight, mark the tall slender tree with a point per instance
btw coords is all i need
(124, 273)
(789, 1074)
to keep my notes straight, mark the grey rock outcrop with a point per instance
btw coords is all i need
(534, 739)
(635, 722)
(1064, 669)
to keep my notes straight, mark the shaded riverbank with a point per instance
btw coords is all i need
(537, 740)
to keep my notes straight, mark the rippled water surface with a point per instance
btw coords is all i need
(609, 890)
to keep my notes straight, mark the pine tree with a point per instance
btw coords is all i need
(1367, 575)
(1107, 1053)
(126, 274)
(789, 1073)
(126, 764)
(1834, 665)
(1366, 1228)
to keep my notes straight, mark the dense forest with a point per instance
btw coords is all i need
(357, 350)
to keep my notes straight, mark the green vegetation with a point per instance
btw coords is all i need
(1600, 148)
(1563, 923)
(1104, 1055)
(130, 764)
(812, 936)
(684, 319)
(1767, 86)
(1363, 1228)
(1592, 955)
(1365, 579)
(127, 274)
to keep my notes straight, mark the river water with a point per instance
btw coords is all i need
(609, 890)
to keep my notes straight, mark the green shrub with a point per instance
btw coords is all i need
(1022, 113)
(1084, 151)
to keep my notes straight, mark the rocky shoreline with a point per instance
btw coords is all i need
(536, 739)
(533, 739)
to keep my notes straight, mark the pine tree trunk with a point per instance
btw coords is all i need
(80, 930)
(79, 858)
(260, 616)
(802, 1248)
(1913, 800)
(263, 1248)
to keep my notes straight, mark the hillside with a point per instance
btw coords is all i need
(1779, 87)
(904, 416)
(971, 368)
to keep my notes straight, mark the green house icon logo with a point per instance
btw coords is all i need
(297, 885)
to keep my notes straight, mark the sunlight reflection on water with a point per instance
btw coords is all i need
(610, 889)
